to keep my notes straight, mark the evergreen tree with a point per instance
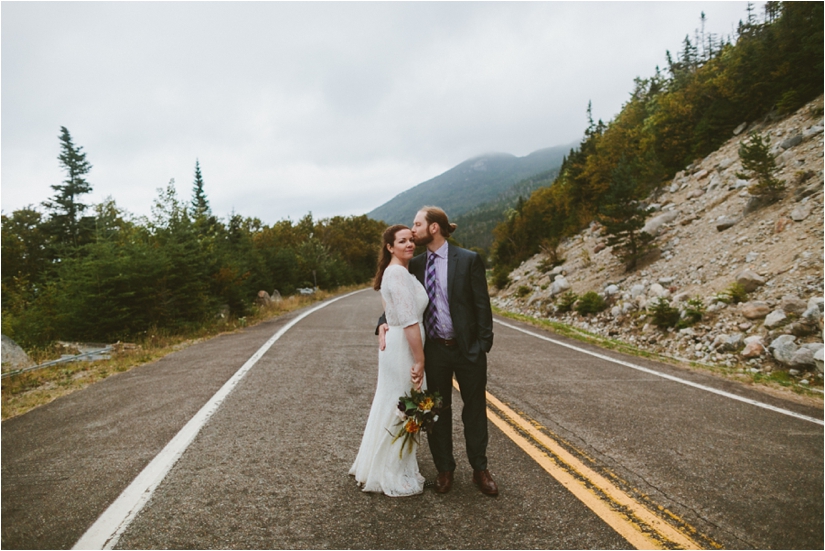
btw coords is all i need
(65, 208)
(758, 163)
(200, 205)
(623, 216)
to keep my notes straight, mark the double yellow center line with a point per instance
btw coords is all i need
(631, 519)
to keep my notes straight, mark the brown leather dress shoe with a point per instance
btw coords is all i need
(484, 481)
(444, 482)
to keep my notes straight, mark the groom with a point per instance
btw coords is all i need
(459, 327)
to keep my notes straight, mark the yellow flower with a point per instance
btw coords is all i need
(426, 404)
(411, 426)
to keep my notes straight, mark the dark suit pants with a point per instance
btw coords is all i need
(441, 362)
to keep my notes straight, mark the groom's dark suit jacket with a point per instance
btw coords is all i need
(469, 301)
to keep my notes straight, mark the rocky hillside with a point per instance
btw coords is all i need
(709, 235)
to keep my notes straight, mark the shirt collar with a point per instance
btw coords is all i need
(441, 252)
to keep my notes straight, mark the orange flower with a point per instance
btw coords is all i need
(412, 426)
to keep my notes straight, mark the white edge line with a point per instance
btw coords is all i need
(108, 528)
(669, 377)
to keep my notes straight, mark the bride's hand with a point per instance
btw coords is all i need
(382, 336)
(417, 374)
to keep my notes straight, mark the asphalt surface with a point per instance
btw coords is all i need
(269, 470)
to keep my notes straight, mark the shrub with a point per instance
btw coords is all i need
(664, 315)
(590, 303)
(566, 301)
(693, 313)
(734, 294)
(523, 291)
(501, 276)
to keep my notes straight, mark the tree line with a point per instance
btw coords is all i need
(773, 66)
(73, 271)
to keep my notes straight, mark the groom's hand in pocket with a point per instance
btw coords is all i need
(382, 336)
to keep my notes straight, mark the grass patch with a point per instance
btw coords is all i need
(24, 392)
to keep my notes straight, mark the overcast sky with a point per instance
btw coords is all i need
(333, 108)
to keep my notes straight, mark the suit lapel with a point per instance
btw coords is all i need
(452, 263)
(417, 266)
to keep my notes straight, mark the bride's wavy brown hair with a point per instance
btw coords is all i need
(385, 255)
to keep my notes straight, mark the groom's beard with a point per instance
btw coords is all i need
(423, 241)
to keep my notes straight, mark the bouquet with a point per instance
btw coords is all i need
(418, 411)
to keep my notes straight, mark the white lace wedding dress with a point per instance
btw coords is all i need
(377, 468)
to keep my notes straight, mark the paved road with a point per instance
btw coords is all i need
(269, 468)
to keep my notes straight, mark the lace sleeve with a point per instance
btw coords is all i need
(399, 294)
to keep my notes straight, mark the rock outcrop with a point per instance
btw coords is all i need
(13, 357)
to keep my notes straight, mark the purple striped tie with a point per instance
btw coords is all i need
(431, 314)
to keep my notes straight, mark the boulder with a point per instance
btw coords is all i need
(12, 355)
(725, 222)
(611, 290)
(775, 319)
(276, 295)
(657, 291)
(559, 285)
(801, 329)
(794, 140)
(801, 212)
(263, 299)
(811, 315)
(654, 225)
(728, 343)
(819, 302)
(701, 174)
(755, 309)
(637, 290)
(803, 357)
(695, 193)
(749, 279)
(812, 131)
(720, 342)
(818, 359)
(739, 129)
(783, 348)
(813, 346)
(753, 349)
(793, 305)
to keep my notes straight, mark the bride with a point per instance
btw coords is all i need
(377, 467)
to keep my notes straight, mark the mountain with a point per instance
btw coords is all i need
(475, 228)
(472, 183)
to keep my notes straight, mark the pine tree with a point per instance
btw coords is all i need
(759, 164)
(200, 205)
(623, 216)
(65, 207)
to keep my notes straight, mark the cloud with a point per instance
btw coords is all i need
(332, 108)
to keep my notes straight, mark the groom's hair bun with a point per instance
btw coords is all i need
(438, 216)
